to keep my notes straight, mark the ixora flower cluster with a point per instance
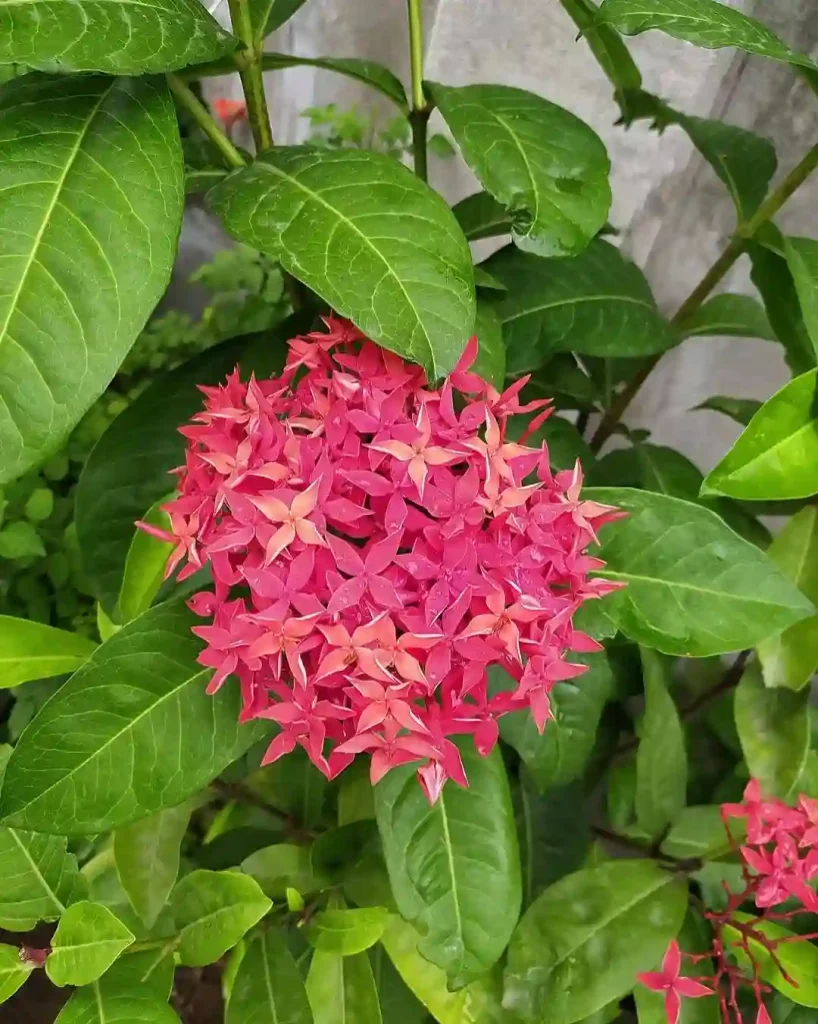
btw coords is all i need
(375, 546)
(779, 858)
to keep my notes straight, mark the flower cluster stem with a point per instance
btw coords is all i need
(737, 245)
(420, 112)
(199, 112)
(251, 74)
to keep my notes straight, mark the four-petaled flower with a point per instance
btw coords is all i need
(674, 985)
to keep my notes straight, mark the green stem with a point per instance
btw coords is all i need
(765, 213)
(199, 112)
(419, 114)
(252, 77)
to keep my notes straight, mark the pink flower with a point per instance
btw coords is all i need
(672, 983)
(376, 545)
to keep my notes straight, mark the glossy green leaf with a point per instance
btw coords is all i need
(491, 353)
(213, 910)
(319, 212)
(96, 1005)
(799, 960)
(791, 658)
(694, 938)
(268, 988)
(347, 931)
(87, 941)
(737, 316)
(699, 832)
(29, 650)
(116, 37)
(558, 756)
(580, 944)
(269, 15)
(147, 859)
(128, 470)
(661, 758)
(802, 258)
(341, 990)
(597, 303)
(367, 71)
(703, 22)
(292, 785)
(281, 867)
(773, 726)
(150, 734)
(454, 867)
(148, 971)
(338, 850)
(483, 279)
(777, 455)
(741, 410)
(611, 53)
(771, 275)
(694, 588)
(482, 216)
(13, 972)
(144, 566)
(478, 1002)
(398, 1004)
(84, 163)
(547, 168)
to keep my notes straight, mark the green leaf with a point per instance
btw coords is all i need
(454, 867)
(693, 938)
(268, 986)
(802, 258)
(729, 316)
(483, 279)
(546, 166)
(694, 588)
(20, 540)
(128, 470)
(292, 785)
(703, 22)
(558, 756)
(106, 165)
(398, 1004)
(773, 726)
(87, 941)
(597, 303)
(150, 734)
(116, 37)
(699, 832)
(661, 758)
(149, 970)
(491, 354)
(341, 990)
(367, 71)
(776, 457)
(339, 849)
(281, 867)
(580, 944)
(773, 278)
(269, 15)
(741, 410)
(147, 859)
(95, 1005)
(478, 1002)
(347, 931)
(323, 213)
(798, 959)
(481, 216)
(30, 650)
(13, 972)
(611, 53)
(791, 658)
(144, 566)
(213, 910)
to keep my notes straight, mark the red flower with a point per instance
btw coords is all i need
(671, 982)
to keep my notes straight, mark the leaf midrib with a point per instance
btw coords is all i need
(614, 574)
(763, 456)
(34, 867)
(575, 300)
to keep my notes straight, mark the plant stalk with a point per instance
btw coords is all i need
(252, 76)
(199, 112)
(419, 114)
(768, 209)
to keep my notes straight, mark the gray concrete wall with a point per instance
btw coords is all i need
(673, 213)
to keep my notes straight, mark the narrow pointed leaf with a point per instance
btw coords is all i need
(30, 650)
(151, 736)
(269, 15)
(113, 36)
(213, 910)
(13, 972)
(367, 71)
(87, 941)
(736, 316)
(580, 944)
(703, 22)
(694, 588)
(454, 867)
(772, 276)
(546, 166)
(84, 163)
(776, 457)
(802, 258)
(321, 212)
(341, 990)
(597, 303)
(791, 659)
(144, 566)
(741, 410)
(268, 986)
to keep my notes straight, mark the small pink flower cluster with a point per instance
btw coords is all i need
(778, 860)
(375, 547)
